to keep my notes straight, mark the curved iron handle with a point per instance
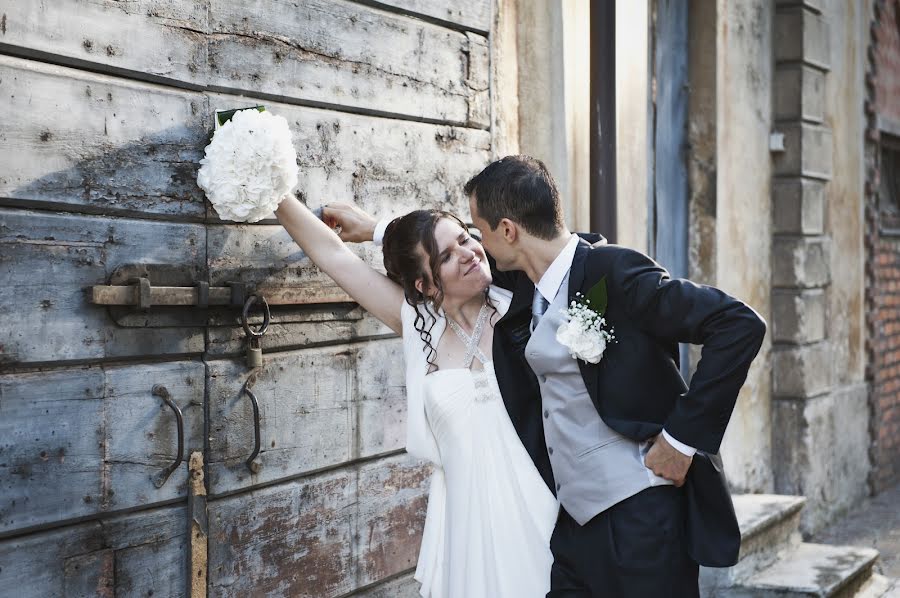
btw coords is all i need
(251, 301)
(162, 392)
(251, 465)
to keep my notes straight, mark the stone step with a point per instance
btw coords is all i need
(878, 586)
(769, 525)
(808, 570)
(768, 522)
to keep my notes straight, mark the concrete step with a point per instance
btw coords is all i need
(769, 525)
(808, 570)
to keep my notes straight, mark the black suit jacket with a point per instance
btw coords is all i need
(637, 386)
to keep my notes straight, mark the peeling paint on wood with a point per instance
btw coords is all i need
(88, 441)
(322, 536)
(141, 554)
(404, 586)
(99, 142)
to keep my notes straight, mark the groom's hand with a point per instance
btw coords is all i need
(356, 226)
(667, 462)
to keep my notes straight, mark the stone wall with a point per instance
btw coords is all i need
(820, 419)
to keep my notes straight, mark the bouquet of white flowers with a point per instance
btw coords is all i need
(250, 165)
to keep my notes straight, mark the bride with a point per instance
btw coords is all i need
(490, 514)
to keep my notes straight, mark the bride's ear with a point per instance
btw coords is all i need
(420, 286)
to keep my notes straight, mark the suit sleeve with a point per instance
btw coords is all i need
(677, 310)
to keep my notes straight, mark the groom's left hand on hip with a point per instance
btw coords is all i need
(667, 462)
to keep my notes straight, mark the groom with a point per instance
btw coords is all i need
(616, 440)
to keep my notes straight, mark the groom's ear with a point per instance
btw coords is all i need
(509, 230)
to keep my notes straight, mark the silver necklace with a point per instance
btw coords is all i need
(471, 342)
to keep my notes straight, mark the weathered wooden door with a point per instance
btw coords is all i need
(108, 106)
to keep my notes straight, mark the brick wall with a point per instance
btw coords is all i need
(886, 381)
(887, 84)
(884, 247)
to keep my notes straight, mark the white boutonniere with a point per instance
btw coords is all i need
(250, 164)
(585, 332)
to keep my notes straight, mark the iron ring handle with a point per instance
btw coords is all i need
(162, 392)
(251, 300)
(253, 467)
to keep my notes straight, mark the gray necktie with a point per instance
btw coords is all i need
(538, 306)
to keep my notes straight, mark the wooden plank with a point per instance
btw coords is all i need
(156, 37)
(48, 260)
(293, 328)
(199, 522)
(99, 143)
(321, 536)
(331, 51)
(471, 14)
(82, 442)
(141, 554)
(318, 408)
(161, 296)
(404, 586)
(346, 54)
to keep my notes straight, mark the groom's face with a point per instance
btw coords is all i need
(492, 240)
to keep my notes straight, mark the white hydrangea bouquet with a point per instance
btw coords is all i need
(250, 164)
(585, 332)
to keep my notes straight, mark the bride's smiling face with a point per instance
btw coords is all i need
(461, 262)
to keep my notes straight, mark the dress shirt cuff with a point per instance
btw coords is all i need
(378, 235)
(679, 446)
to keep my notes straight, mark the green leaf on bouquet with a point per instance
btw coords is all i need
(223, 116)
(597, 297)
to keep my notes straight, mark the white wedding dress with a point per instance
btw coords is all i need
(490, 515)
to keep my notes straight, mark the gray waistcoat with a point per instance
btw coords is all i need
(594, 466)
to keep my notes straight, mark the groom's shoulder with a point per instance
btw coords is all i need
(610, 254)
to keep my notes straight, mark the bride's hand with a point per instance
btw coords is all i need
(355, 225)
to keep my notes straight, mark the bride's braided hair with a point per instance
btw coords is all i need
(405, 239)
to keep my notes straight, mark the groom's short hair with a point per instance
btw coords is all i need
(519, 188)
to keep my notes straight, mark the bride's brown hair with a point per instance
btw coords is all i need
(405, 264)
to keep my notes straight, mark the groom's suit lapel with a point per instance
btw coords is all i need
(516, 320)
(578, 284)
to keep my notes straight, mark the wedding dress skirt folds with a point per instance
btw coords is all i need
(490, 515)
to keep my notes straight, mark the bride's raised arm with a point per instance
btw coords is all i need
(374, 291)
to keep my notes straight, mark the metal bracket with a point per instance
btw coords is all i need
(142, 292)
